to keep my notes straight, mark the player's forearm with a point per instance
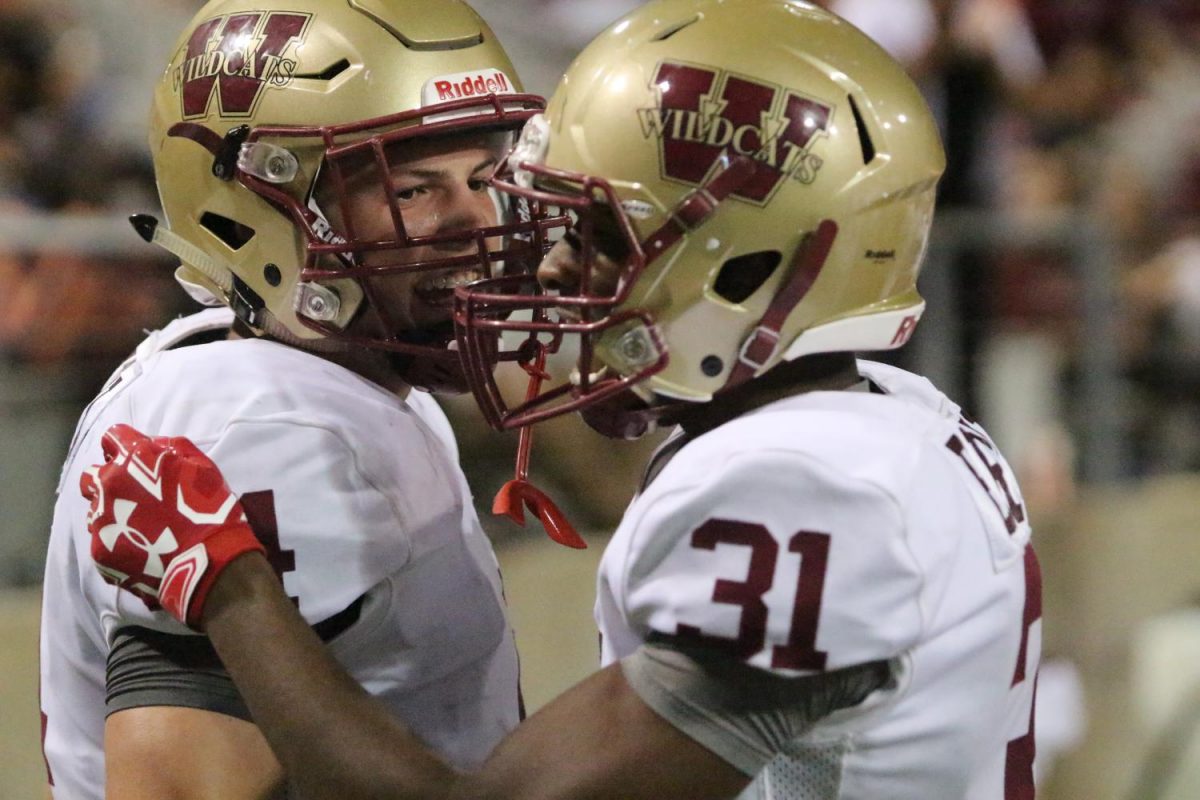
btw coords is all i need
(332, 738)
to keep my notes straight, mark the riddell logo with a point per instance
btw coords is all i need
(703, 113)
(239, 55)
(472, 85)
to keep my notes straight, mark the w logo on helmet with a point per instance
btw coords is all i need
(703, 113)
(239, 55)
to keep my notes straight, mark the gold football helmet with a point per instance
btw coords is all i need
(266, 112)
(763, 173)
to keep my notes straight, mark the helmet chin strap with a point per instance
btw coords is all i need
(699, 205)
(222, 276)
(763, 343)
(626, 415)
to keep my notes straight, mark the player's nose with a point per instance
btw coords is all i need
(560, 270)
(464, 210)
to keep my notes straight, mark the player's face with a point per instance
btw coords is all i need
(440, 187)
(561, 271)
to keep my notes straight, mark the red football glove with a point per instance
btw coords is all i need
(163, 522)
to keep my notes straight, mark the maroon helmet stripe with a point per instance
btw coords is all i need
(205, 137)
(807, 263)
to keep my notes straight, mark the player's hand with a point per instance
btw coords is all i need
(164, 524)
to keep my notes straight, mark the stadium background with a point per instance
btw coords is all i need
(1064, 289)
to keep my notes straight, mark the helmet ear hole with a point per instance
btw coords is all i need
(234, 234)
(671, 30)
(743, 276)
(330, 72)
(864, 135)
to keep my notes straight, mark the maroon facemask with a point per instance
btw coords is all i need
(514, 244)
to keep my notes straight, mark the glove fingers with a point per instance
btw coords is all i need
(120, 439)
(186, 449)
(89, 485)
(205, 484)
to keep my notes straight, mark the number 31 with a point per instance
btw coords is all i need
(800, 652)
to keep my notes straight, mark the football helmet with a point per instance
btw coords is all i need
(764, 175)
(266, 112)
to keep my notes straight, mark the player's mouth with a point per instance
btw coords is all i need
(438, 290)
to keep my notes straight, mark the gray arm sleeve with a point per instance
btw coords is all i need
(149, 668)
(744, 715)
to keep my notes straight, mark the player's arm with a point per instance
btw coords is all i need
(177, 726)
(175, 753)
(599, 739)
(667, 722)
(607, 737)
(331, 738)
(334, 739)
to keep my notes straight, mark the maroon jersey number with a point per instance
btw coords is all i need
(1018, 762)
(260, 513)
(800, 652)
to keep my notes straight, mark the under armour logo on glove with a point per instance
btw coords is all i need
(163, 522)
(155, 550)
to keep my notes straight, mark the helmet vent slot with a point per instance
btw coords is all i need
(235, 235)
(328, 74)
(743, 276)
(864, 136)
(667, 33)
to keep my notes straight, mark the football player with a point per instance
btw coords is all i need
(825, 587)
(322, 169)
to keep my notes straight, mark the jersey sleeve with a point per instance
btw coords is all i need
(742, 714)
(319, 504)
(329, 510)
(775, 559)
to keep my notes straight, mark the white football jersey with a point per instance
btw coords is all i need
(832, 529)
(354, 492)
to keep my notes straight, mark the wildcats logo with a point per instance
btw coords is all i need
(239, 55)
(702, 113)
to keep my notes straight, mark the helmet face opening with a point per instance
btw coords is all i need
(403, 207)
(578, 296)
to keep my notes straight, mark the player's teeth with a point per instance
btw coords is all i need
(450, 281)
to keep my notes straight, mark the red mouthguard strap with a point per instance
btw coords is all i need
(518, 494)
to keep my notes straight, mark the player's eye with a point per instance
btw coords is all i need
(410, 193)
(477, 184)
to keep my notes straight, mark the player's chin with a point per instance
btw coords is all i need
(445, 377)
(434, 312)
(434, 366)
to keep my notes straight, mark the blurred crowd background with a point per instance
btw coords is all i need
(1063, 280)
